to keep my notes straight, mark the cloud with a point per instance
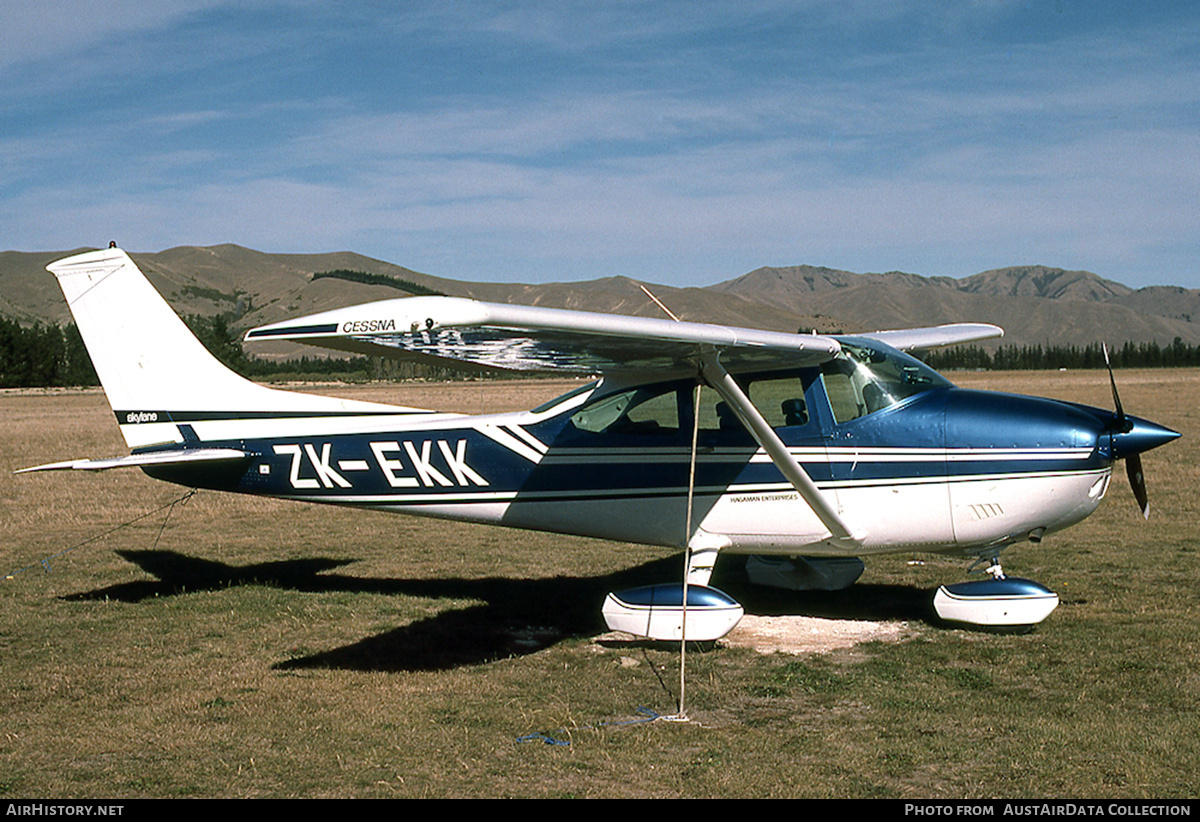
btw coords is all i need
(50, 31)
(520, 140)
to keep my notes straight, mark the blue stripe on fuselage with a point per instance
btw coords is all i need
(462, 462)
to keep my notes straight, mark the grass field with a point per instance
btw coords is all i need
(252, 648)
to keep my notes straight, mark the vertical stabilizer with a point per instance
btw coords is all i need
(152, 367)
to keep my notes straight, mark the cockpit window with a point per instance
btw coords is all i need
(868, 377)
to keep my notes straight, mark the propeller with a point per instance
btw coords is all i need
(1133, 462)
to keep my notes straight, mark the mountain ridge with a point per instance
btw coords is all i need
(1035, 304)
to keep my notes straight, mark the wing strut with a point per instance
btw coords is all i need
(716, 376)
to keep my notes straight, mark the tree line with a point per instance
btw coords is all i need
(1049, 357)
(52, 356)
(368, 278)
(42, 356)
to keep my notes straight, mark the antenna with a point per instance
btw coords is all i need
(659, 303)
(681, 715)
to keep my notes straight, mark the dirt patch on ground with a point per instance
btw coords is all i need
(802, 635)
(790, 634)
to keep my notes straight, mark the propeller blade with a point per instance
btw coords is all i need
(1121, 423)
(1133, 462)
(1137, 481)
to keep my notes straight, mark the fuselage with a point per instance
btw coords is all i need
(911, 460)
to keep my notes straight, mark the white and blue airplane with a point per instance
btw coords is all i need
(805, 452)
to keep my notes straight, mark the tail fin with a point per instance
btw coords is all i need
(152, 367)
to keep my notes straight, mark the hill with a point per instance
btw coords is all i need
(1034, 304)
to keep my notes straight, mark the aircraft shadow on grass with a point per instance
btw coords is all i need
(517, 617)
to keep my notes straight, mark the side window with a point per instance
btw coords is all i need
(665, 409)
(651, 410)
(599, 415)
(845, 397)
(716, 415)
(654, 414)
(780, 400)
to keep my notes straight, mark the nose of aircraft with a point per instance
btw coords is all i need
(1136, 435)
(1128, 438)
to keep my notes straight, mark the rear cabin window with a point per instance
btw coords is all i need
(780, 400)
(640, 411)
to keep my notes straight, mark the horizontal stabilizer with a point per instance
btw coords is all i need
(175, 457)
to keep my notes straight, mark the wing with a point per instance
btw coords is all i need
(466, 333)
(469, 334)
(908, 339)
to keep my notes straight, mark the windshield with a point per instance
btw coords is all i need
(869, 376)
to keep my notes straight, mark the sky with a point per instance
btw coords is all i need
(682, 143)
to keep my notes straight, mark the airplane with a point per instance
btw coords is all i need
(804, 452)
